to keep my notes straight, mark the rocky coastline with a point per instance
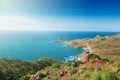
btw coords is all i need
(107, 45)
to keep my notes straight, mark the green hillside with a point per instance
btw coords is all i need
(11, 69)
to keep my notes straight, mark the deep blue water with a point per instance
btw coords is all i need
(34, 45)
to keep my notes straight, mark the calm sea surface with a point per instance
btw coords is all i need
(34, 45)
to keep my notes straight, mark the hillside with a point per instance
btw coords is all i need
(95, 68)
(101, 63)
(11, 69)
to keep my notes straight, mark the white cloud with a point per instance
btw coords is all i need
(14, 19)
(57, 23)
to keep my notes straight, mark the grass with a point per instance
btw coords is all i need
(107, 72)
(25, 77)
(50, 79)
(106, 76)
(56, 65)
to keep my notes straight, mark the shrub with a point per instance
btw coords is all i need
(56, 65)
(74, 64)
(106, 76)
(50, 78)
(69, 63)
(41, 74)
(12, 69)
(75, 78)
(94, 57)
(83, 68)
(71, 71)
(106, 60)
(25, 77)
(44, 62)
(98, 77)
(87, 75)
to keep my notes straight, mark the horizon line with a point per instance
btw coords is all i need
(54, 31)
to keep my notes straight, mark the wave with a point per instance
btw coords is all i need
(70, 58)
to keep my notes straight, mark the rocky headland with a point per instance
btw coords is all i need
(107, 46)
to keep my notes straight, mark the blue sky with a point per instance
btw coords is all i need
(60, 15)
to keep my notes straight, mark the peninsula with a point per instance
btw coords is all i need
(99, 43)
(106, 47)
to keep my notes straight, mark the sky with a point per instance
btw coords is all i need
(60, 15)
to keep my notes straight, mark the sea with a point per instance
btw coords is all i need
(33, 45)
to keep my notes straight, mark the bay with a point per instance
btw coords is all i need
(32, 45)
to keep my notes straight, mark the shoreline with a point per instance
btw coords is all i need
(106, 45)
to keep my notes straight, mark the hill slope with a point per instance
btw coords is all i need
(103, 66)
(11, 69)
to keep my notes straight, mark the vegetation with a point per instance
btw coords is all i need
(94, 56)
(106, 76)
(50, 79)
(73, 63)
(56, 65)
(68, 72)
(25, 77)
(11, 69)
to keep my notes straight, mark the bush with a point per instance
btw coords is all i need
(41, 74)
(56, 65)
(94, 57)
(44, 62)
(74, 64)
(11, 69)
(75, 78)
(69, 63)
(106, 76)
(106, 60)
(98, 77)
(86, 75)
(71, 71)
(50, 79)
(25, 77)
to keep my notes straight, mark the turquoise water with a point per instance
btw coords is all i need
(34, 45)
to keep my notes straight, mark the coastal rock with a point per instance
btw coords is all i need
(59, 40)
(118, 35)
(83, 57)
